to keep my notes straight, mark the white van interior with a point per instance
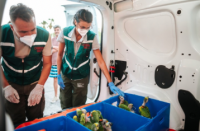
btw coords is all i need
(154, 46)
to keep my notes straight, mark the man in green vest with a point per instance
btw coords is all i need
(78, 41)
(26, 63)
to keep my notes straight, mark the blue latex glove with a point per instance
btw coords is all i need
(60, 82)
(115, 89)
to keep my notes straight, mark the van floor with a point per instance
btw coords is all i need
(52, 108)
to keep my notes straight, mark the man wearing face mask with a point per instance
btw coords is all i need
(26, 52)
(74, 66)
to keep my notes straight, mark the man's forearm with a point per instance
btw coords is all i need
(104, 69)
(45, 73)
(5, 82)
(59, 62)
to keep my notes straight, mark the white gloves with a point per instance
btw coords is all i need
(35, 95)
(11, 94)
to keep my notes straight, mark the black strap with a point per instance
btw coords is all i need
(191, 108)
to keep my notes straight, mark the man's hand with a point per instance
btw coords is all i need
(35, 95)
(60, 82)
(115, 89)
(11, 94)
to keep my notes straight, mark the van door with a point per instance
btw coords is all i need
(97, 88)
(154, 38)
(5, 121)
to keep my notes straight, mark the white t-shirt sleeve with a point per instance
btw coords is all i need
(47, 51)
(61, 37)
(95, 44)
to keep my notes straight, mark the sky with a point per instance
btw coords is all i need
(43, 9)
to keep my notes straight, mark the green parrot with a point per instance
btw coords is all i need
(107, 126)
(94, 116)
(123, 101)
(84, 111)
(100, 115)
(88, 125)
(82, 119)
(75, 118)
(123, 106)
(92, 126)
(101, 128)
(103, 122)
(144, 110)
(95, 127)
(86, 117)
(130, 106)
(78, 113)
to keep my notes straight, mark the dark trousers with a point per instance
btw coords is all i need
(18, 112)
(74, 93)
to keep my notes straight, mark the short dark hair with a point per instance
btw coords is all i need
(84, 15)
(56, 26)
(21, 11)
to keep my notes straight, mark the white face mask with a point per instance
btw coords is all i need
(28, 40)
(83, 32)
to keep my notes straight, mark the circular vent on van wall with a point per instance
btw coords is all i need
(164, 77)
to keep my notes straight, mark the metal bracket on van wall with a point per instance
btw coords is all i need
(120, 67)
(164, 77)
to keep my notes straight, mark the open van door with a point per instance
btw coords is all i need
(156, 43)
(159, 41)
(97, 88)
(2, 109)
(5, 120)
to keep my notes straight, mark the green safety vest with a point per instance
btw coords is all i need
(76, 67)
(22, 71)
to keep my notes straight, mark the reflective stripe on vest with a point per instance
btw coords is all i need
(39, 43)
(68, 38)
(82, 64)
(7, 44)
(13, 45)
(20, 71)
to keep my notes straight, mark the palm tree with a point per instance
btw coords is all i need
(50, 25)
(44, 23)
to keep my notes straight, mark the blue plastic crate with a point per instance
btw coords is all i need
(121, 119)
(62, 123)
(159, 110)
